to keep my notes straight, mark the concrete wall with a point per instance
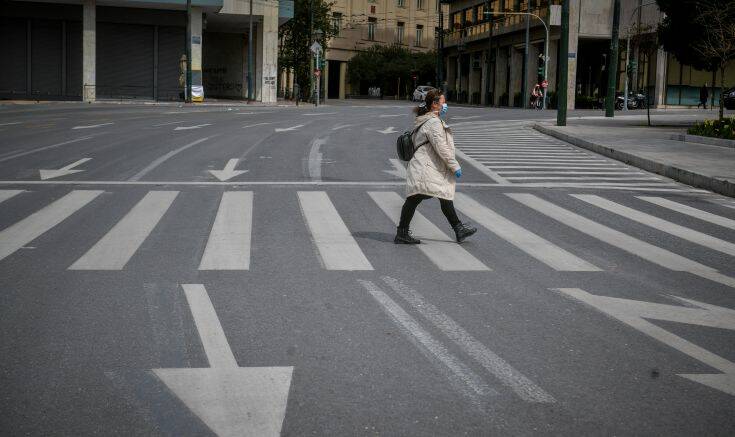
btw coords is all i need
(223, 65)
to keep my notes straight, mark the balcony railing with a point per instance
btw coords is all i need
(502, 24)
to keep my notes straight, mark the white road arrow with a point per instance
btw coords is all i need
(198, 126)
(286, 129)
(230, 400)
(398, 171)
(389, 130)
(92, 126)
(634, 312)
(63, 171)
(229, 171)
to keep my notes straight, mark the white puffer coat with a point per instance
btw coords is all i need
(431, 170)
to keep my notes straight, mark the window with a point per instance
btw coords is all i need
(399, 32)
(372, 23)
(401, 3)
(480, 13)
(468, 19)
(419, 35)
(419, 4)
(457, 21)
(337, 23)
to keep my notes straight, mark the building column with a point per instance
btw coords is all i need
(516, 73)
(342, 80)
(89, 51)
(501, 83)
(325, 82)
(553, 65)
(574, 6)
(485, 77)
(660, 87)
(266, 58)
(197, 90)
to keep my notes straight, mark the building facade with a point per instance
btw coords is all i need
(364, 23)
(488, 69)
(132, 49)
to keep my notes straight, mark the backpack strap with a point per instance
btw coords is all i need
(414, 133)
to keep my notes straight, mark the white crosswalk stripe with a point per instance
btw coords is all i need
(436, 245)
(7, 194)
(38, 223)
(506, 146)
(692, 212)
(337, 248)
(228, 247)
(116, 248)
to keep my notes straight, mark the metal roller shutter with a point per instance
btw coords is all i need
(13, 46)
(124, 60)
(46, 37)
(170, 49)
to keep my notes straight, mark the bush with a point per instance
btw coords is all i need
(724, 128)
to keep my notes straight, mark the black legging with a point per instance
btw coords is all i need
(409, 207)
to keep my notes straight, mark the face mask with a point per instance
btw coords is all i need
(444, 110)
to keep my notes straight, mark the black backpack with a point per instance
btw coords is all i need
(405, 146)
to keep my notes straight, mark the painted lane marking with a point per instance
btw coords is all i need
(436, 245)
(13, 155)
(634, 246)
(392, 115)
(692, 212)
(7, 194)
(585, 178)
(229, 171)
(489, 360)
(256, 124)
(480, 167)
(525, 240)
(288, 129)
(337, 248)
(459, 374)
(11, 123)
(634, 312)
(620, 172)
(315, 159)
(23, 232)
(228, 247)
(399, 170)
(342, 126)
(116, 248)
(662, 225)
(160, 160)
(198, 126)
(93, 126)
(388, 130)
(230, 400)
(169, 123)
(63, 171)
(319, 113)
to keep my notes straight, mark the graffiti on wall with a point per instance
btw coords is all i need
(217, 81)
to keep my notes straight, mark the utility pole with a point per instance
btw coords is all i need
(524, 79)
(250, 54)
(439, 49)
(612, 70)
(561, 87)
(187, 92)
(311, 54)
(489, 17)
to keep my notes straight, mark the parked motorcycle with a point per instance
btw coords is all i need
(635, 101)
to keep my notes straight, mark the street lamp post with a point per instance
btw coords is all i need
(627, 52)
(250, 54)
(187, 91)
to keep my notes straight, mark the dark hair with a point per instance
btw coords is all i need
(432, 96)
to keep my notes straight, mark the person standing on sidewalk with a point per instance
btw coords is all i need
(433, 170)
(703, 96)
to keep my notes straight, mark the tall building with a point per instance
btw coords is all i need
(364, 23)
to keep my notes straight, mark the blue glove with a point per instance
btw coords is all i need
(458, 173)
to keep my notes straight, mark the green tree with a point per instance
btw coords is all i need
(389, 66)
(295, 39)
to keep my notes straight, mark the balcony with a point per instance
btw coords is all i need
(502, 25)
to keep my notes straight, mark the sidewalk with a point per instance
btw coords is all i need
(627, 139)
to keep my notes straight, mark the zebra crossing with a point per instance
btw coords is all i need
(516, 153)
(229, 235)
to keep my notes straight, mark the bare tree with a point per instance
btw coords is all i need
(718, 43)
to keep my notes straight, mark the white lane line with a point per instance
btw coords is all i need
(256, 124)
(319, 113)
(7, 194)
(169, 123)
(288, 129)
(436, 245)
(647, 251)
(315, 159)
(228, 247)
(692, 212)
(116, 248)
(584, 178)
(489, 360)
(458, 373)
(342, 126)
(337, 248)
(662, 225)
(63, 171)
(481, 168)
(13, 155)
(392, 115)
(11, 123)
(210, 330)
(620, 172)
(160, 160)
(92, 126)
(198, 126)
(525, 240)
(23, 232)
(499, 168)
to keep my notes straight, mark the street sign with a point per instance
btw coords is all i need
(317, 72)
(545, 84)
(316, 47)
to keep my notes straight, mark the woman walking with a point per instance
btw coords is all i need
(433, 170)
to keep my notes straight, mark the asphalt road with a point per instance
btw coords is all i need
(145, 294)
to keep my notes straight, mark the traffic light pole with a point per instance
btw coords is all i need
(612, 70)
(187, 93)
(562, 84)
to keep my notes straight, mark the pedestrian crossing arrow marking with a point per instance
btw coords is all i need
(229, 171)
(230, 400)
(398, 171)
(63, 171)
(634, 314)
(389, 130)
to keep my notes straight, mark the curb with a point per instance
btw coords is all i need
(704, 140)
(720, 186)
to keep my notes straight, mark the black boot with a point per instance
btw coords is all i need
(463, 231)
(403, 236)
